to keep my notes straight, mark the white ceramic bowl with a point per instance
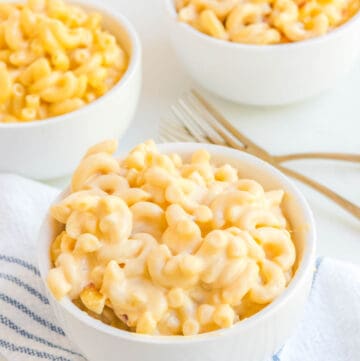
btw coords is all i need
(265, 74)
(254, 339)
(51, 148)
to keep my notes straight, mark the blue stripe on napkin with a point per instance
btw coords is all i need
(31, 352)
(25, 286)
(21, 307)
(20, 262)
(7, 322)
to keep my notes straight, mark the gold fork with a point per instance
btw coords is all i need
(197, 120)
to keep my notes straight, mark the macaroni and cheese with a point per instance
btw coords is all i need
(265, 22)
(160, 245)
(54, 59)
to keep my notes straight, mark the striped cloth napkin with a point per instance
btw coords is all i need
(329, 331)
(28, 328)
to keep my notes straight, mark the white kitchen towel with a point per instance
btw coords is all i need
(329, 330)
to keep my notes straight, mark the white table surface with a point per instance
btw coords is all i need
(330, 122)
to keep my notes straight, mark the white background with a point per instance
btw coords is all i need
(330, 122)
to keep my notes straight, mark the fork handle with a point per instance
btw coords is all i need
(346, 157)
(341, 201)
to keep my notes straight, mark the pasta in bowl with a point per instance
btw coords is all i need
(169, 244)
(265, 52)
(55, 58)
(266, 22)
(69, 71)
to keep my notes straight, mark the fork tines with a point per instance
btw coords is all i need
(193, 122)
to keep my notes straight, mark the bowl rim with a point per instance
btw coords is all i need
(171, 10)
(307, 262)
(135, 61)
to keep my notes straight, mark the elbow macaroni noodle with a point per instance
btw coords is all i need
(265, 22)
(54, 59)
(156, 244)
